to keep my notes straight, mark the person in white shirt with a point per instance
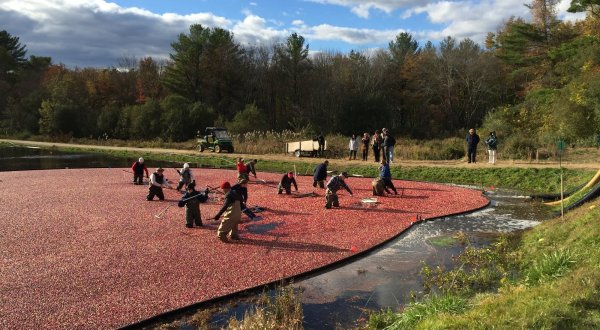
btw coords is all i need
(353, 146)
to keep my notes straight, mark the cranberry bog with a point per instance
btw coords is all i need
(82, 248)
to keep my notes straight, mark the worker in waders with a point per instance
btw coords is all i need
(241, 188)
(286, 183)
(251, 168)
(138, 169)
(242, 169)
(191, 200)
(320, 174)
(232, 214)
(378, 187)
(385, 174)
(334, 184)
(157, 182)
(185, 176)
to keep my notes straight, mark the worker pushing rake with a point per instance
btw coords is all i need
(191, 201)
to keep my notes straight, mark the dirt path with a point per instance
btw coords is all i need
(587, 158)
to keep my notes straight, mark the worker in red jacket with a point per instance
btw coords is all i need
(242, 169)
(138, 169)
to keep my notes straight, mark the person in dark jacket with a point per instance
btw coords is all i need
(251, 168)
(335, 184)
(157, 182)
(138, 169)
(242, 189)
(321, 141)
(232, 214)
(191, 200)
(376, 143)
(320, 175)
(386, 176)
(286, 183)
(492, 144)
(472, 141)
(388, 146)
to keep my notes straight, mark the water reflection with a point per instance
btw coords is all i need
(17, 158)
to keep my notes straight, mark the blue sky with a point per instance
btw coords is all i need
(98, 33)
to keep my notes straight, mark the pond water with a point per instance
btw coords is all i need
(17, 158)
(340, 297)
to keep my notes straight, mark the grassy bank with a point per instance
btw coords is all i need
(528, 180)
(548, 278)
(271, 142)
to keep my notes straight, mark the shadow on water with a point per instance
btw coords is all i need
(340, 297)
(262, 228)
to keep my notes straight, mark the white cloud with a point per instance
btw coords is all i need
(254, 30)
(297, 22)
(350, 35)
(95, 32)
(468, 19)
(362, 8)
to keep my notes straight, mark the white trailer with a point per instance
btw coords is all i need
(308, 148)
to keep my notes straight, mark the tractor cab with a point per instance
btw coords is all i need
(215, 139)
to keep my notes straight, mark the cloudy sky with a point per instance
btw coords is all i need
(98, 33)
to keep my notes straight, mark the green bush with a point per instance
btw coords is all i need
(519, 146)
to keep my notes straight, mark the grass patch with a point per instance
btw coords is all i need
(551, 280)
(415, 312)
(443, 241)
(283, 311)
(549, 266)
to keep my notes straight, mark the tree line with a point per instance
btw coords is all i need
(532, 81)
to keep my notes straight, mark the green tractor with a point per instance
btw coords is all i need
(216, 139)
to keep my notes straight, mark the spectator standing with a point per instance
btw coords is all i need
(138, 169)
(492, 144)
(232, 214)
(185, 176)
(335, 184)
(353, 146)
(376, 143)
(320, 174)
(365, 142)
(388, 146)
(286, 183)
(321, 142)
(472, 141)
